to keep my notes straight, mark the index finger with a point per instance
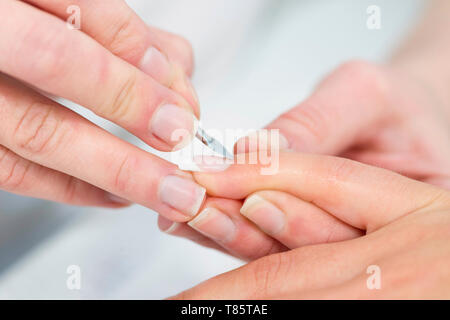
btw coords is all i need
(164, 56)
(38, 129)
(363, 196)
(39, 49)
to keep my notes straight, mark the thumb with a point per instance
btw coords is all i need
(343, 111)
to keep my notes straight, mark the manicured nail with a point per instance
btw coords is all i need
(116, 199)
(172, 124)
(261, 141)
(212, 164)
(182, 194)
(214, 224)
(166, 225)
(264, 214)
(156, 65)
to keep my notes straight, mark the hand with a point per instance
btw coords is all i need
(373, 114)
(315, 199)
(363, 112)
(119, 68)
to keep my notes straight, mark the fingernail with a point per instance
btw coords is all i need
(156, 65)
(166, 225)
(214, 224)
(116, 199)
(212, 164)
(172, 124)
(261, 141)
(182, 194)
(264, 214)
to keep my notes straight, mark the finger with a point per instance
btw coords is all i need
(411, 166)
(342, 111)
(220, 221)
(46, 133)
(178, 49)
(57, 63)
(294, 222)
(182, 230)
(23, 177)
(362, 196)
(283, 274)
(325, 271)
(166, 57)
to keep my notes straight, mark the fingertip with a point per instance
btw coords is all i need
(214, 224)
(166, 225)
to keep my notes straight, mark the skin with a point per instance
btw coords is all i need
(44, 147)
(394, 116)
(406, 225)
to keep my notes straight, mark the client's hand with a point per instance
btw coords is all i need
(317, 199)
(372, 114)
(379, 115)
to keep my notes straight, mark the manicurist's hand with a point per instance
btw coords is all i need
(314, 200)
(131, 74)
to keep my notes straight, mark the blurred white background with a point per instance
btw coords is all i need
(254, 60)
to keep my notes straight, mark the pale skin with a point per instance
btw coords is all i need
(123, 70)
(406, 227)
(394, 116)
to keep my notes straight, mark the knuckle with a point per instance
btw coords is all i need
(50, 52)
(127, 37)
(37, 131)
(365, 78)
(123, 175)
(312, 117)
(123, 100)
(13, 170)
(267, 273)
(341, 170)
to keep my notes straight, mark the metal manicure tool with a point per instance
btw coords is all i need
(213, 144)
